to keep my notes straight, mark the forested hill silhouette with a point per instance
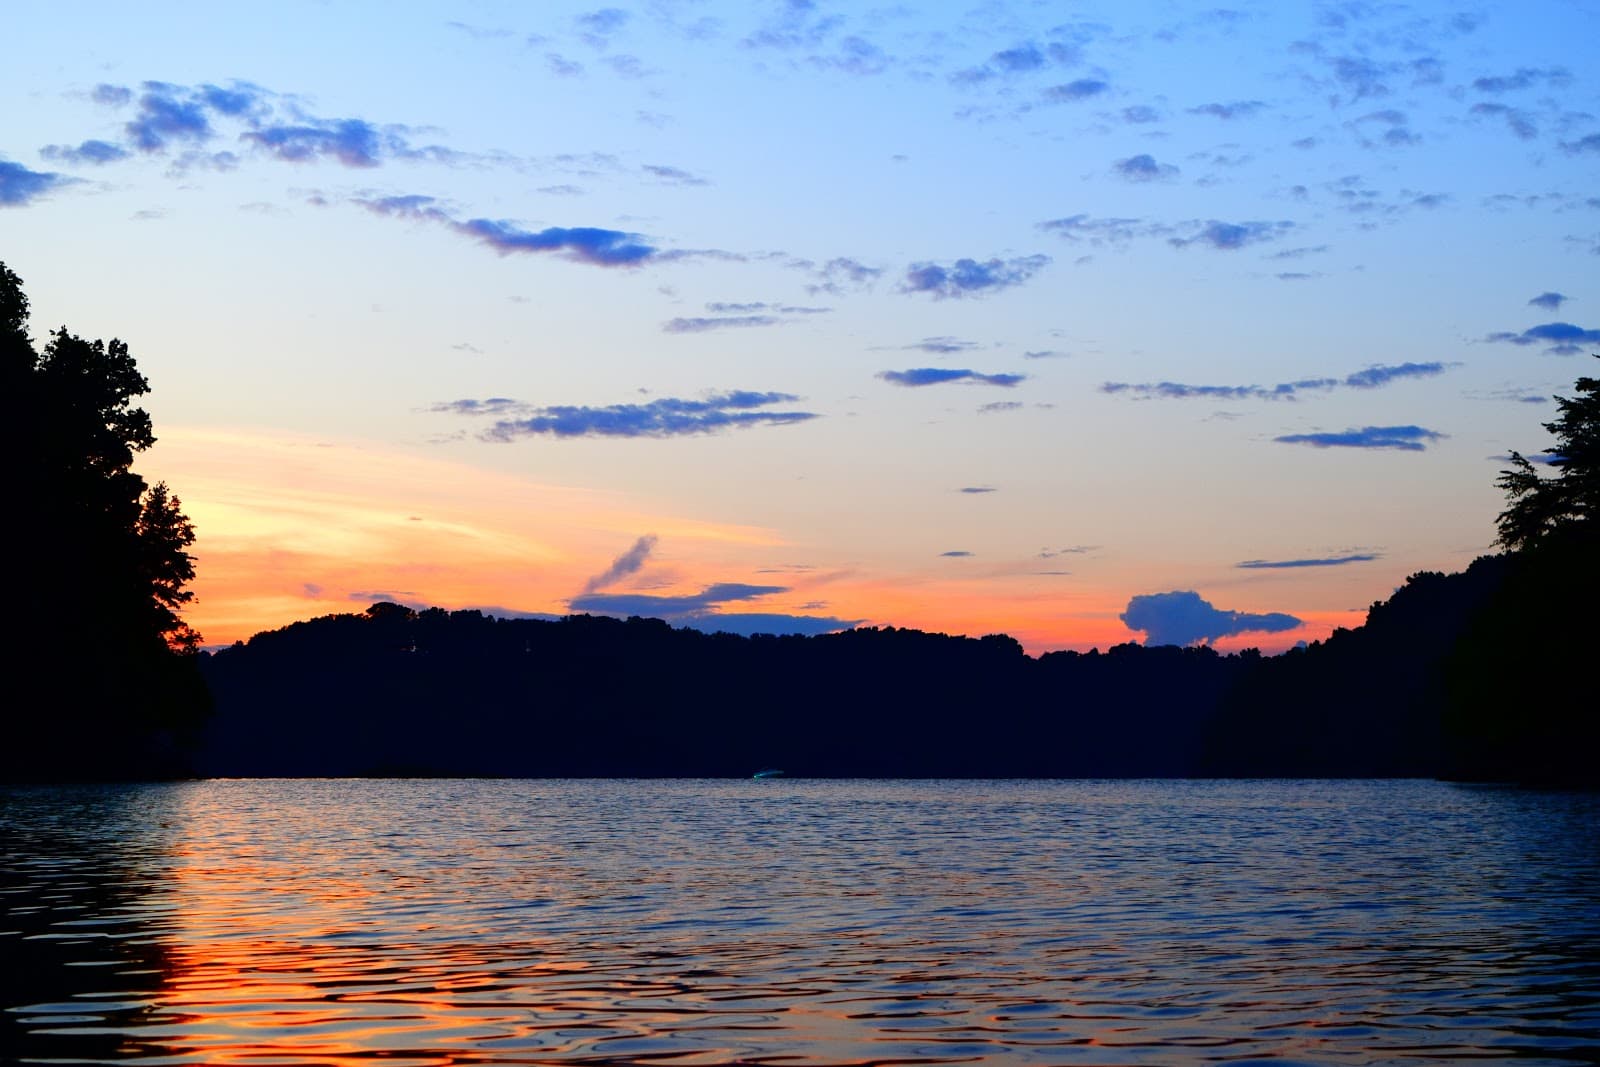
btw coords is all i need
(395, 691)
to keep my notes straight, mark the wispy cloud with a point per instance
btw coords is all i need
(1522, 78)
(975, 489)
(1373, 377)
(1400, 438)
(583, 244)
(1073, 91)
(921, 376)
(666, 417)
(624, 565)
(1183, 617)
(1295, 564)
(724, 322)
(93, 153)
(1549, 301)
(1236, 109)
(968, 277)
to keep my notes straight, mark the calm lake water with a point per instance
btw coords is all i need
(798, 922)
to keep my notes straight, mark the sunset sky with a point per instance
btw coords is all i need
(791, 316)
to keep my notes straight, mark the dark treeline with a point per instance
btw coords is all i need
(394, 691)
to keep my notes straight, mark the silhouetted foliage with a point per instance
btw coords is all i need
(1522, 702)
(96, 564)
(1567, 505)
(396, 691)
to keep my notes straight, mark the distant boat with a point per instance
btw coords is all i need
(770, 772)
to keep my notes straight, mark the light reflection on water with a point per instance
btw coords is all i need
(798, 922)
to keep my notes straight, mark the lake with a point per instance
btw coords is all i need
(802, 922)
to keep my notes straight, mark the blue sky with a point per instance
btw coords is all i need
(967, 318)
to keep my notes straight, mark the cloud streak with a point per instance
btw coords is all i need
(918, 377)
(581, 244)
(1295, 564)
(20, 186)
(1400, 438)
(666, 417)
(1374, 377)
(624, 565)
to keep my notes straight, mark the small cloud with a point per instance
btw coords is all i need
(1081, 89)
(921, 376)
(968, 277)
(940, 346)
(1559, 338)
(20, 186)
(1373, 377)
(842, 273)
(673, 175)
(1523, 78)
(1549, 301)
(93, 153)
(1237, 109)
(1230, 236)
(956, 554)
(976, 489)
(624, 565)
(352, 142)
(1184, 618)
(1144, 168)
(705, 325)
(1591, 143)
(111, 95)
(1401, 438)
(1140, 114)
(1045, 353)
(998, 406)
(666, 417)
(1295, 564)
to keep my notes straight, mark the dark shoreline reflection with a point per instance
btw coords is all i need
(430, 922)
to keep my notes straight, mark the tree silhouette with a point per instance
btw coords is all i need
(1520, 681)
(96, 563)
(1567, 505)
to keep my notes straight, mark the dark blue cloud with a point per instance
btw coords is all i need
(1559, 338)
(1237, 109)
(1230, 236)
(959, 553)
(1184, 618)
(920, 376)
(1295, 564)
(624, 565)
(1550, 301)
(353, 142)
(1402, 438)
(1523, 78)
(1373, 377)
(20, 186)
(667, 417)
(168, 113)
(705, 325)
(1590, 143)
(585, 244)
(1024, 57)
(494, 405)
(968, 277)
(1144, 168)
(93, 153)
(1081, 89)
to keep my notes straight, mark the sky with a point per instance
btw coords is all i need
(1083, 323)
